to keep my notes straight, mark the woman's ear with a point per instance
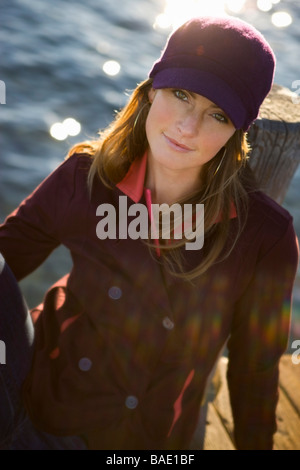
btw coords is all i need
(151, 94)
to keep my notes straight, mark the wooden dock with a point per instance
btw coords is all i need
(217, 431)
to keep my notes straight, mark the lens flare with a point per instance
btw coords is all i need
(176, 12)
(235, 6)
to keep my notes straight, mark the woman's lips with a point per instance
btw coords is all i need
(177, 145)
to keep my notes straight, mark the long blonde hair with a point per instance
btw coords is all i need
(125, 140)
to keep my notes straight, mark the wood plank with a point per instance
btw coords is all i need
(216, 436)
(219, 413)
(222, 401)
(289, 380)
(287, 436)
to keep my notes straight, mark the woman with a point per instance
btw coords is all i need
(125, 342)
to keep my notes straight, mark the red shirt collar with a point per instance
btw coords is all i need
(133, 182)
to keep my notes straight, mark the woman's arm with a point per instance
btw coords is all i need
(258, 339)
(34, 229)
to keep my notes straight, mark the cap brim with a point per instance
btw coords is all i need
(205, 84)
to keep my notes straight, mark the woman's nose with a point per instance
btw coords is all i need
(189, 124)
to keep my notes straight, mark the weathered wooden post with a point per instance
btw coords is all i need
(274, 158)
(275, 142)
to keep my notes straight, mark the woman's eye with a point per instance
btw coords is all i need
(220, 117)
(181, 95)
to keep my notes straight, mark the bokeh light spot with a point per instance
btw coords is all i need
(281, 19)
(264, 5)
(58, 131)
(111, 67)
(61, 130)
(72, 126)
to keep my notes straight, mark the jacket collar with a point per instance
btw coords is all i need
(133, 182)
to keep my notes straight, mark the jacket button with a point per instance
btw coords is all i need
(115, 292)
(131, 402)
(168, 324)
(85, 364)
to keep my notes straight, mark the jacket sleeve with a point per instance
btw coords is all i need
(258, 339)
(31, 232)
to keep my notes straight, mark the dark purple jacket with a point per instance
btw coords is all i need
(123, 349)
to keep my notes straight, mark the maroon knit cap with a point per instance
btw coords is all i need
(224, 59)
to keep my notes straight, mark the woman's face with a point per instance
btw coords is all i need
(184, 129)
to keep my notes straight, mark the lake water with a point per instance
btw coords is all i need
(52, 59)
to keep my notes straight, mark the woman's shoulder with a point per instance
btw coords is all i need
(67, 179)
(263, 205)
(73, 168)
(268, 217)
(78, 160)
